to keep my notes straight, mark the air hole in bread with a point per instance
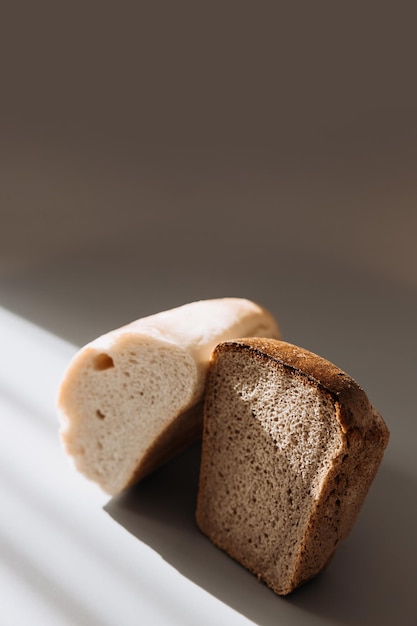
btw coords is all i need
(100, 415)
(102, 361)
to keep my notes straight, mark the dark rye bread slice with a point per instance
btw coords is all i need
(291, 445)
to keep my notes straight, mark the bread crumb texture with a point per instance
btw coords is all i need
(120, 401)
(290, 448)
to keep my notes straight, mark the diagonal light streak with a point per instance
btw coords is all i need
(58, 548)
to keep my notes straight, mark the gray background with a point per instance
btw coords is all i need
(157, 153)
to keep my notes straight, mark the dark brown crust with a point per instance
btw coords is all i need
(355, 407)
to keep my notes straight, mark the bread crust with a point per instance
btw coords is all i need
(354, 405)
(364, 437)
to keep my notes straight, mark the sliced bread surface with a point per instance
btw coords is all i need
(291, 445)
(132, 399)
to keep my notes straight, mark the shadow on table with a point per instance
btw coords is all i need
(371, 579)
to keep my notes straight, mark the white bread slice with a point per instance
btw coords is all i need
(291, 445)
(132, 399)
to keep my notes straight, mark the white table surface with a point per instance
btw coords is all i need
(155, 156)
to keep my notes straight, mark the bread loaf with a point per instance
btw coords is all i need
(132, 399)
(291, 445)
